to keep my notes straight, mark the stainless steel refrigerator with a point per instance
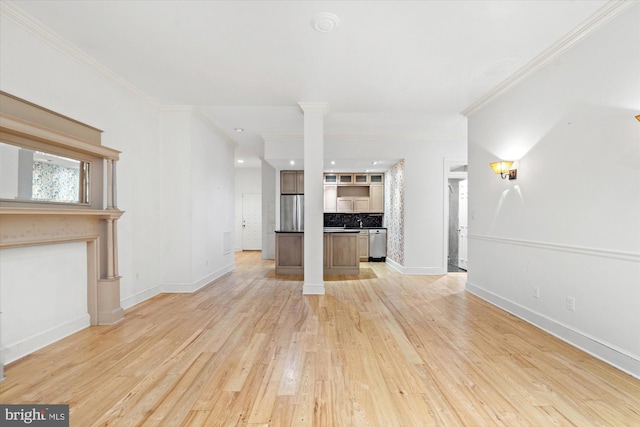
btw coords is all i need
(292, 213)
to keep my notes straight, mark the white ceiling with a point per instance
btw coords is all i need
(402, 68)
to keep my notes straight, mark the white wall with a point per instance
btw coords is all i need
(172, 231)
(37, 310)
(569, 224)
(269, 218)
(248, 181)
(212, 186)
(175, 181)
(197, 183)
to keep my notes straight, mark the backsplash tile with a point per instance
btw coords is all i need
(351, 220)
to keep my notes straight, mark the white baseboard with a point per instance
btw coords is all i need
(418, 271)
(598, 348)
(175, 287)
(397, 267)
(15, 351)
(313, 289)
(192, 287)
(140, 297)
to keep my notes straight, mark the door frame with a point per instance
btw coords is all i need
(447, 165)
(461, 262)
(242, 228)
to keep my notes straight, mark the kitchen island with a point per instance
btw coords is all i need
(341, 251)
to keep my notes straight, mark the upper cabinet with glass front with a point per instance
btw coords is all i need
(361, 178)
(345, 178)
(354, 192)
(376, 178)
(330, 178)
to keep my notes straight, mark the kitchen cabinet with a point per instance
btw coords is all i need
(376, 198)
(345, 178)
(341, 252)
(291, 182)
(360, 178)
(354, 192)
(330, 178)
(289, 253)
(361, 204)
(352, 204)
(376, 178)
(330, 198)
(363, 239)
(344, 204)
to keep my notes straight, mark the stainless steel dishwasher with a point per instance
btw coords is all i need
(378, 244)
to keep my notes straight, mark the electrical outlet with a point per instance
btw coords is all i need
(536, 292)
(571, 304)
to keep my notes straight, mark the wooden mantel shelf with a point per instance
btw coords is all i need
(100, 213)
(38, 226)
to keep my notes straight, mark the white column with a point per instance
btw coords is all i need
(110, 241)
(114, 185)
(313, 197)
(110, 184)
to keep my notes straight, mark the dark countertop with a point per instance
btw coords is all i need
(329, 230)
(356, 228)
(340, 230)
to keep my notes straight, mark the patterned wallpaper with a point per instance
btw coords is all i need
(55, 182)
(394, 212)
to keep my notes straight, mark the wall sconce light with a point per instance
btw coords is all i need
(638, 117)
(504, 169)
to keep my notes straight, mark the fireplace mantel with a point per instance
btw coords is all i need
(30, 223)
(34, 226)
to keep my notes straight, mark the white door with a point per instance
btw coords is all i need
(251, 221)
(462, 223)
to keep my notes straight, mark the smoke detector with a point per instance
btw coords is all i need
(325, 22)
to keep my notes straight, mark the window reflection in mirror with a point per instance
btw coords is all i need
(29, 175)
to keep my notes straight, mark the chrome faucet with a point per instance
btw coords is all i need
(360, 222)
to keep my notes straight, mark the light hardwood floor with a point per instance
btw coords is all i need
(379, 349)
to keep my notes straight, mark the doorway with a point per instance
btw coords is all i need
(456, 225)
(251, 222)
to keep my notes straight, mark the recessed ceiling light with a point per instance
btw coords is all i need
(325, 22)
(333, 162)
(292, 162)
(238, 129)
(240, 161)
(374, 163)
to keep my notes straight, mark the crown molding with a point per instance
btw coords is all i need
(215, 128)
(313, 106)
(591, 25)
(40, 31)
